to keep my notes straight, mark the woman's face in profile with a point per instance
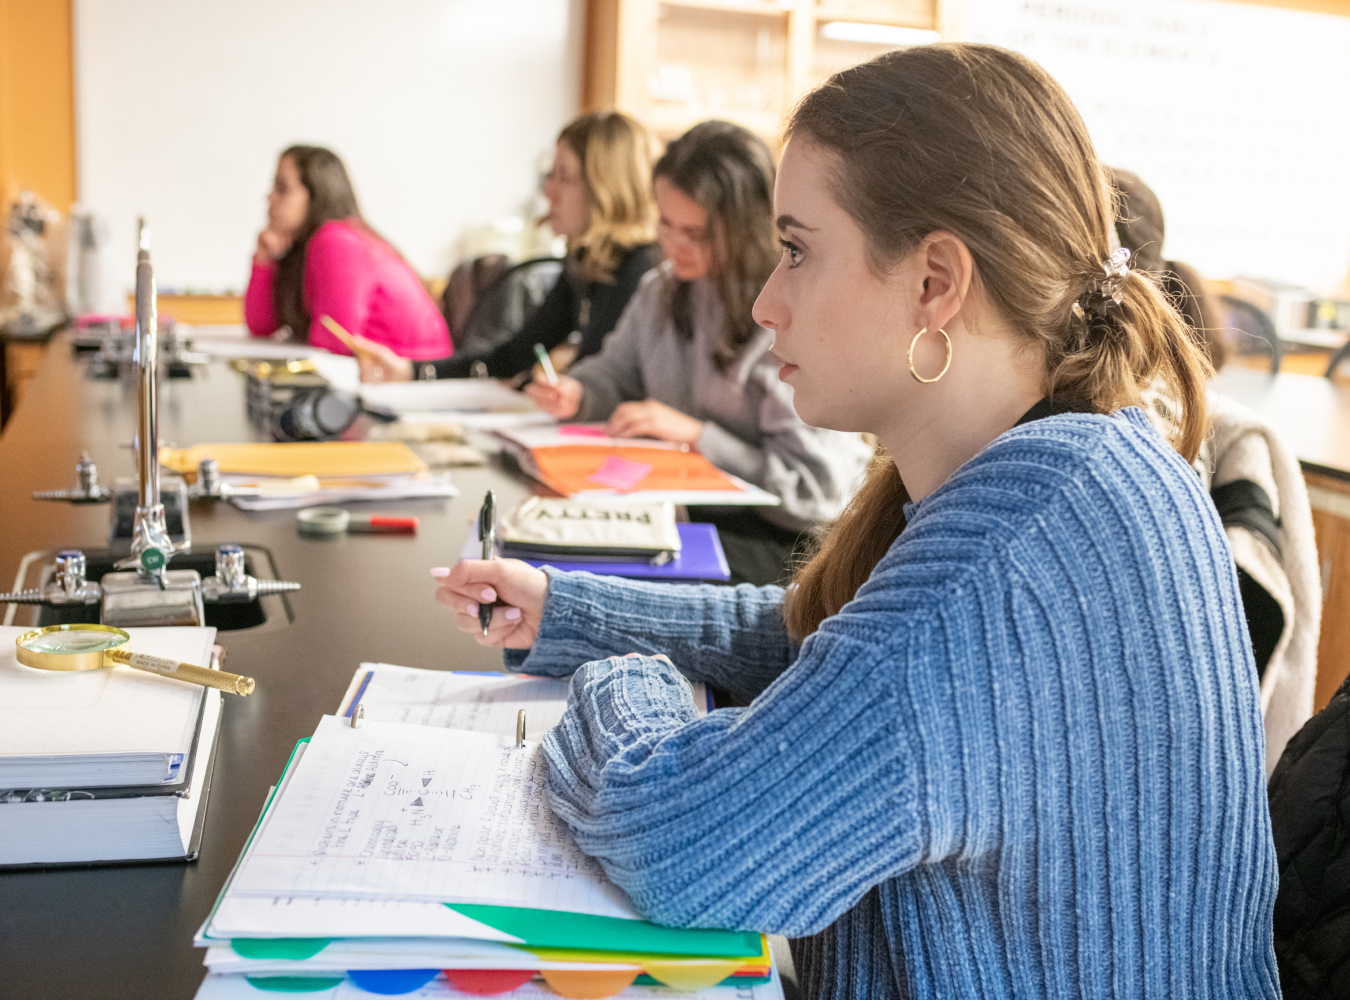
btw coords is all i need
(840, 330)
(288, 201)
(568, 213)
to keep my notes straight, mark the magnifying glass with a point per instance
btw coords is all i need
(93, 647)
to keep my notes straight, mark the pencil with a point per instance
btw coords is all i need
(546, 363)
(335, 328)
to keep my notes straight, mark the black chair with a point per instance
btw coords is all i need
(506, 304)
(1340, 355)
(1253, 331)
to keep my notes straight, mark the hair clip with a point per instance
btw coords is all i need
(1116, 267)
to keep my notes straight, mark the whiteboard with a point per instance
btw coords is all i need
(1233, 113)
(441, 110)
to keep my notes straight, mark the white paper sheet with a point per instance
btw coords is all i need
(471, 395)
(483, 703)
(422, 814)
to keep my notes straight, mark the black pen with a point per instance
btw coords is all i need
(487, 534)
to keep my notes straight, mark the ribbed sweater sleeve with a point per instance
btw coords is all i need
(740, 644)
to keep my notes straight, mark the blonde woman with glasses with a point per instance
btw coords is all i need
(599, 195)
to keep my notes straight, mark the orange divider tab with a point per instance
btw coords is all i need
(588, 984)
(569, 468)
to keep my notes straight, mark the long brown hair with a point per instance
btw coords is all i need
(980, 142)
(729, 171)
(616, 172)
(330, 197)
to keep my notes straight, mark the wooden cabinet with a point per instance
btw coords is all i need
(675, 63)
(1330, 500)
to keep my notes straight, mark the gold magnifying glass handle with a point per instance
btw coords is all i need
(229, 683)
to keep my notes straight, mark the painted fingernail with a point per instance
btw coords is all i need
(471, 609)
(489, 595)
(513, 614)
(439, 571)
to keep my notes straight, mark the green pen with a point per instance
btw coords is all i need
(546, 363)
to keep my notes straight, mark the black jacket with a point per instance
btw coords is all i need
(593, 307)
(1310, 818)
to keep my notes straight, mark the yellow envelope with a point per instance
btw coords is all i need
(305, 458)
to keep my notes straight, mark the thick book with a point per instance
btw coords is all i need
(107, 728)
(40, 827)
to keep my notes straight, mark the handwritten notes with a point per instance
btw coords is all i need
(422, 814)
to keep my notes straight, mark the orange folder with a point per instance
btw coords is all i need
(569, 468)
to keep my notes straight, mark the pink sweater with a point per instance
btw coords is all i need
(364, 285)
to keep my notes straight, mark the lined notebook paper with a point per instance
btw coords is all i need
(415, 812)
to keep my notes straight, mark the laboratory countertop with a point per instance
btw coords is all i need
(1311, 412)
(126, 931)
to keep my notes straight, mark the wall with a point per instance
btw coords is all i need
(1232, 112)
(37, 139)
(441, 110)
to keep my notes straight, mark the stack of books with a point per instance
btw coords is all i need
(398, 855)
(109, 765)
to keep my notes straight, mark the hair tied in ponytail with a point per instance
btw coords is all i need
(1099, 307)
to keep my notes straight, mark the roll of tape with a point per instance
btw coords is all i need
(322, 520)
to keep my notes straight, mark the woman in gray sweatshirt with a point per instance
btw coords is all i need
(687, 362)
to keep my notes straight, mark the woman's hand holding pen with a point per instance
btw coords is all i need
(561, 401)
(519, 587)
(651, 419)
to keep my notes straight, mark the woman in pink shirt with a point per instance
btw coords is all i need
(318, 257)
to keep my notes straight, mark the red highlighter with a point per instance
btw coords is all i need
(380, 524)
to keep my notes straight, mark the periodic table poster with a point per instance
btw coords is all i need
(1237, 115)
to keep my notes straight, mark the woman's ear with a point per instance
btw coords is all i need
(946, 270)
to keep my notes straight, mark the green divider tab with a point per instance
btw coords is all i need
(293, 949)
(293, 984)
(557, 929)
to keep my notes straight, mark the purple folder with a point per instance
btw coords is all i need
(700, 560)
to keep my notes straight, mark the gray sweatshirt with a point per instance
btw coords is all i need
(750, 427)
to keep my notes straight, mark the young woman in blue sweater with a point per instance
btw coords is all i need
(1004, 737)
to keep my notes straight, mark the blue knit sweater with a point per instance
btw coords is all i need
(1025, 761)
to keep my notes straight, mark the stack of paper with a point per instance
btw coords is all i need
(268, 476)
(471, 402)
(396, 857)
(580, 462)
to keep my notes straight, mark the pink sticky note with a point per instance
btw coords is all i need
(582, 430)
(619, 473)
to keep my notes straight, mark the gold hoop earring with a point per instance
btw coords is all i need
(917, 376)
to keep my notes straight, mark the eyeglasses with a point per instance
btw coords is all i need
(555, 176)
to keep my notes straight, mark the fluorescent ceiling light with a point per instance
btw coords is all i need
(877, 34)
